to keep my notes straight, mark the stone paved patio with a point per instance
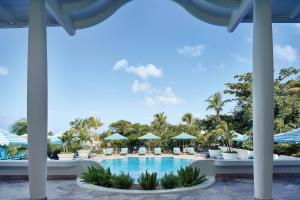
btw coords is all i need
(223, 189)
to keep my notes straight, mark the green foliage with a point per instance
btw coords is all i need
(148, 181)
(13, 150)
(216, 103)
(53, 150)
(19, 127)
(169, 181)
(190, 176)
(122, 181)
(286, 149)
(98, 176)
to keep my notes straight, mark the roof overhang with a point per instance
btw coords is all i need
(78, 14)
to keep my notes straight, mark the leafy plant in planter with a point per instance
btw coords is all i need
(98, 176)
(122, 181)
(190, 176)
(169, 181)
(148, 181)
(227, 136)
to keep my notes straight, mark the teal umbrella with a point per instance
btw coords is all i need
(292, 136)
(149, 136)
(184, 136)
(115, 136)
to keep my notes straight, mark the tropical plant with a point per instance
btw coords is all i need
(226, 135)
(211, 139)
(94, 122)
(97, 176)
(216, 103)
(13, 150)
(160, 124)
(190, 176)
(169, 181)
(122, 181)
(188, 119)
(19, 127)
(148, 181)
(53, 150)
(69, 140)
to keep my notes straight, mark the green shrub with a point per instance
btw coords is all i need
(190, 176)
(148, 181)
(169, 181)
(296, 155)
(98, 176)
(122, 181)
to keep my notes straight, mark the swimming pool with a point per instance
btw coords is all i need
(136, 165)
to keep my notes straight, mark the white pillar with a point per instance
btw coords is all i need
(37, 99)
(263, 99)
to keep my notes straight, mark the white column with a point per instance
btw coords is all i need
(263, 99)
(37, 99)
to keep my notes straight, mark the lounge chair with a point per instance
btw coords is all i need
(142, 151)
(124, 151)
(108, 151)
(191, 151)
(176, 151)
(157, 150)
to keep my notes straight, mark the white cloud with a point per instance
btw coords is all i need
(200, 67)
(140, 87)
(121, 64)
(285, 53)
(240, 59)
(143, 71)
(166, 98)
(191, 50)
(3, 71)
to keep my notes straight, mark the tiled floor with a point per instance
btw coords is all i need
(223, 189)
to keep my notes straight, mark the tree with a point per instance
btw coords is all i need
(94, 122)
(216, 103)
(188, 119)
(19, 127)
(160, 124)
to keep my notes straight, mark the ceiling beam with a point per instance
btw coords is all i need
(7, 16)
(238, 15)
(295, 12)
(64, 20)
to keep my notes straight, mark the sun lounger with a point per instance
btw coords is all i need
(124, 151)
(142, 151)
(157, 150)
(108, 151)
(191, 151)
(176, 151)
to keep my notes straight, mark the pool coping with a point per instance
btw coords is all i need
(209, 182)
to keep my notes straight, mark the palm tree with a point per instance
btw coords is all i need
(19, 127)
(94, 123)
(188, 119)
(159, 124)
(216, 103)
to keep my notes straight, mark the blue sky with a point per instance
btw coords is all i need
(150, 56)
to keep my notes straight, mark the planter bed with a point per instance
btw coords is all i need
(136, 189)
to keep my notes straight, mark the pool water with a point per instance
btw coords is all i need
(137, 165)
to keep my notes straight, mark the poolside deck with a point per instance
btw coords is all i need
(223, 189)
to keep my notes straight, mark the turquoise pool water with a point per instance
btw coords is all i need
(136, 165)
